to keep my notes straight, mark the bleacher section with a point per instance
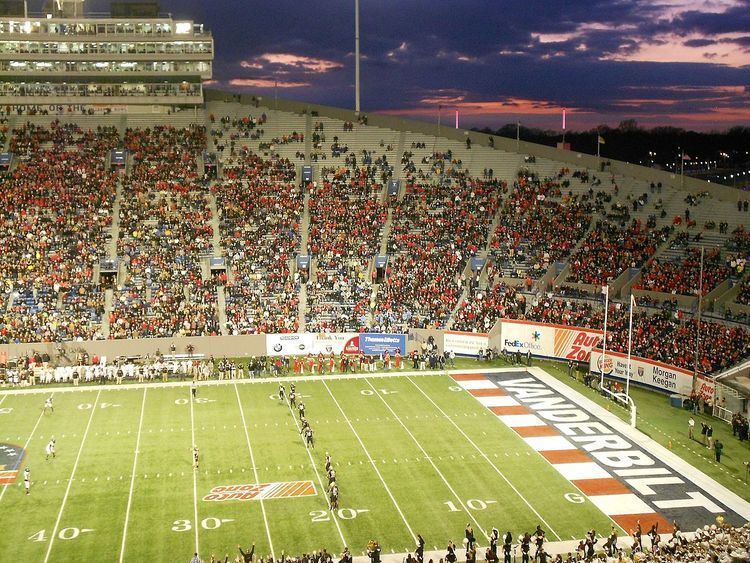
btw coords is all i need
(535, 223)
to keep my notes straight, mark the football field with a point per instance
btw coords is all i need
(412, 455)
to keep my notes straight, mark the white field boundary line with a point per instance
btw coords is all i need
(255, 471)
(487, 459)
(679, 465)
(72, 476)
(323, 489)
(429, 458)
(132, 477)
(257, 380)
(26, 445)
(196, 522)
(372, 463)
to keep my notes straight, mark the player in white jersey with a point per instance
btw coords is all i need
(50, 449)
(48, 405)
(27, 480)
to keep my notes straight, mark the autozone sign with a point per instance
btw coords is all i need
(549, 340)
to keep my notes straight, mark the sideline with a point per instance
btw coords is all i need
(258, 380)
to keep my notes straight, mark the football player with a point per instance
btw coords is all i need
(48, 405)
(50, 450)
(27, 480)
(195, 457)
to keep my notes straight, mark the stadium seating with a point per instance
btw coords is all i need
(527, 218)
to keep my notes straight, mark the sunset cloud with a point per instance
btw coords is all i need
(300, 62)
(265, 83)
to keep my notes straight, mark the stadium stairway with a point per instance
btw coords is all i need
(114, 229)
(108, 304)
(221, 309)
(383, 249)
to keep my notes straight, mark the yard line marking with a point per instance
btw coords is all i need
(435, 467)
(26, 445)
(486, 457)
(132, 477)
(372, 463)
(72, 475)
(323, 488)
(255, 470)
(195, 472)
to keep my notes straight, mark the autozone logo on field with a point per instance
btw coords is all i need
(260, 491)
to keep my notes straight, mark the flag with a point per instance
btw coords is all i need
(600, 139)
(632, 301)
(686, 157)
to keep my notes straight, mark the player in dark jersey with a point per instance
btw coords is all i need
(331, 476)
(525, 547)
(538, 540)
(419, 551)
(329, 463)
(282, 392)
(292, 399)
(334, 496)
(507, 547)
(195, 457)
(301, 409)
(494, 537)
(309, 437)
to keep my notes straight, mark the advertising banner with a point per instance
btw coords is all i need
(373, 344)
(336, 342)
(465, 343)
(561, 342)
(650, 373)
(292, 344)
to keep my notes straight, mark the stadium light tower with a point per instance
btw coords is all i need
(356, 56)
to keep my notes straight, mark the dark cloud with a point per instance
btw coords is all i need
(607, 60)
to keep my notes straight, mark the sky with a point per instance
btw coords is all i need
(683, 63)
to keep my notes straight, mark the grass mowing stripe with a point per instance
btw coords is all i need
(72, 475)
(429, 459)
(132, 476)
(255, 470)
(486, 457)
(317, 474)
(195, 472)
(26, 445)
(372, 462)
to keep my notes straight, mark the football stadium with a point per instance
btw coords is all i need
(239, 327)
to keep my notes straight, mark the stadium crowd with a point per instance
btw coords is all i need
(609, 250)
(534, 230)
(683, 276)
(57, 210)
(165, 229)
(260, 209)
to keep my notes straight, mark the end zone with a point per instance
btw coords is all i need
(628, 476)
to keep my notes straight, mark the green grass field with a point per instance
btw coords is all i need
(412, 455)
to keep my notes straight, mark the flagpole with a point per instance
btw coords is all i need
(630, 346)
(698, 327)
(604, 345)
(682, 169)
